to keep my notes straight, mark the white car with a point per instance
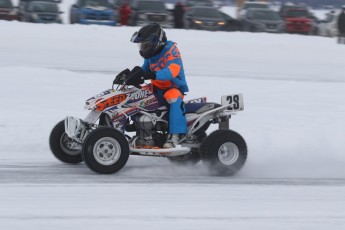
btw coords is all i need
(249, 5)
(328, 27)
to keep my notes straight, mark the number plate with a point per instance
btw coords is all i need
(235, 102)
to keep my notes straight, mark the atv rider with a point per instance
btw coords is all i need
(341, 26)
(163, 65)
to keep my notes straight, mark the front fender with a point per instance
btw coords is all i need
(92, 117)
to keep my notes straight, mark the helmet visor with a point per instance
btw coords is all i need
(135, 37)
(145, 46)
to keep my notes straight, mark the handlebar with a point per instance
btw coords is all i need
(132, 77)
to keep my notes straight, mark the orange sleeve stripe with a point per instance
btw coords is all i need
(161, 84)
(172, 94)
(174, 69)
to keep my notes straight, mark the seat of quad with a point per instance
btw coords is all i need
(200, 107)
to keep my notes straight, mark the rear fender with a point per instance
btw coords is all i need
(197, 100)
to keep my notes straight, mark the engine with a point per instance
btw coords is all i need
(150, 134)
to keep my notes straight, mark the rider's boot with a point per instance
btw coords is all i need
(172, 141)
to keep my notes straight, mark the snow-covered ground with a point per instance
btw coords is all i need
(293, 122)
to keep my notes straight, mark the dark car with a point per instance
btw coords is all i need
(40, 11)
(205, 18)
(262, 20)
(151, 11)
(231, 24)
(100, 12)
(7, 11)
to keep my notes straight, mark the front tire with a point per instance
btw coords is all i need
(224, 152)
(105, 150)
(62, 146)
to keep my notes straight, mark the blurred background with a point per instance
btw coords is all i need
(309, 17)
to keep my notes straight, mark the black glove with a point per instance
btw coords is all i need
(120, 78)
(135, 77)
(149, 75)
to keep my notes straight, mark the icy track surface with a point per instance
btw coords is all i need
(293, 123)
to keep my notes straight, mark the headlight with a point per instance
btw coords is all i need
(142, 16)
(197, 22)
(221, 23)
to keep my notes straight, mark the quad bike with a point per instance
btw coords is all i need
(130, 120)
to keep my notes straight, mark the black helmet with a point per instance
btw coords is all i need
(151, 38)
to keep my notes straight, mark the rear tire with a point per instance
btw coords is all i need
(105, 150)
(61, 145)
(224, 152)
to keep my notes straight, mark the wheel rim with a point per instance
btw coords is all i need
(68, 146)
(107, 151)
(228, 153)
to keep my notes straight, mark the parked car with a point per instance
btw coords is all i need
(192, 3)
(100, 12)
(8, 11)
(328, 26)
(231, 24)
(298, 19)
(284, 8)
(250, 5)
(205, 18)
(151, 11)
(40, 11)
(315, 21)
(262, 20)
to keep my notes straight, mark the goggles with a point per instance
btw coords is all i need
(146, 45)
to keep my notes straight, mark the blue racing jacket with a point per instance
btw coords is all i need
(168, 67)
